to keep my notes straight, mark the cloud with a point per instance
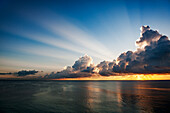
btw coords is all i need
(6, 73)
(25, 72)
(106, 68)
(147, 36)
(152, 55)
(21, 73)
(83, 67)
(82, 63)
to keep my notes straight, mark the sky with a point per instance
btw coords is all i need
(50, 35)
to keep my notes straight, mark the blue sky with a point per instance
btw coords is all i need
(48, 35)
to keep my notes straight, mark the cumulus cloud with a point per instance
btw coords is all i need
(82, 63)
(105, 68)
(147, 36)
(83, 67)
(152, 56)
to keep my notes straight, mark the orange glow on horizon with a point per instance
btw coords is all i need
(123, 77)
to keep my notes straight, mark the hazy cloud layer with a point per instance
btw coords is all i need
(152, 56)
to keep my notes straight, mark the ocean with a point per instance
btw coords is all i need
(49, 96)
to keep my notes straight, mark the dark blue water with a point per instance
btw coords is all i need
(84, 96)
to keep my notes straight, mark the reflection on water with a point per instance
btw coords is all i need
(85, 96)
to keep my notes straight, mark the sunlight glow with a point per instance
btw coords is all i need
(124, 77)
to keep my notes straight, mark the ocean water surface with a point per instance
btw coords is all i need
(84, 96)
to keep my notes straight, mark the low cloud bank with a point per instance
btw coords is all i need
(152, 56)
(25, 72)
(21, 73)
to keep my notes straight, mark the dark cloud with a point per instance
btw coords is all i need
(22, 73)
(6, 73)
(157, 56)
(25, 72)
(105, 68)
(151, 56)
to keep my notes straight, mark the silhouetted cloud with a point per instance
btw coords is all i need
(25, 72)
(6, 73)
(22, 73)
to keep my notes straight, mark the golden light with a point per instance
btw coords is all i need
(165, 76)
